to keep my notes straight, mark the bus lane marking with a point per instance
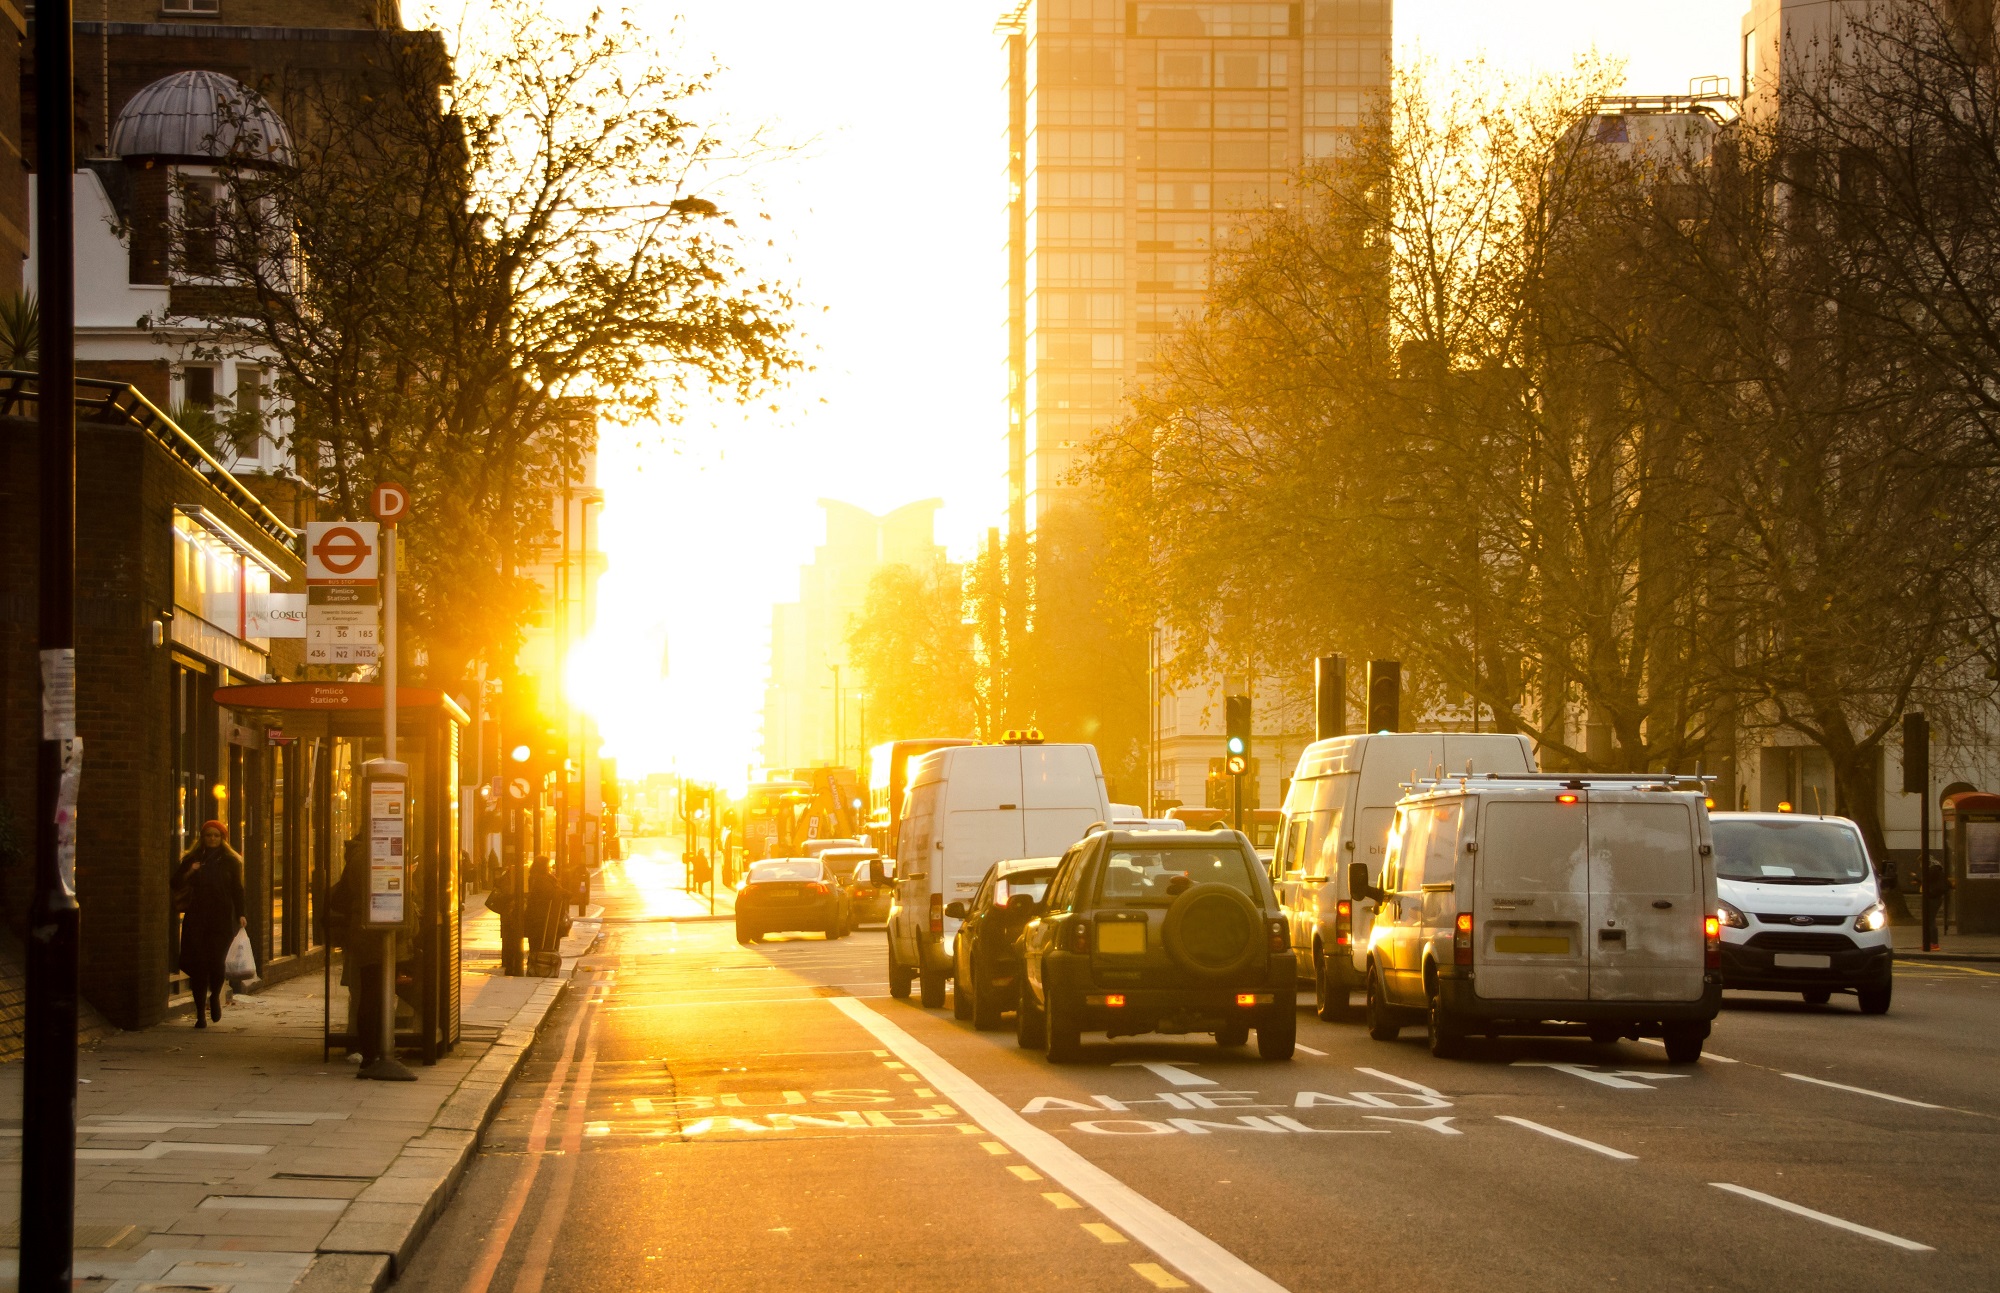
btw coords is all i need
(1825, 1218)
(1862, 1090)
(1590, 1145)
(1205, 1262)
(1621, 1078)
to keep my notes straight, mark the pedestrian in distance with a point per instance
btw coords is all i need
(545, 911)
(208, 891)
(505, 901)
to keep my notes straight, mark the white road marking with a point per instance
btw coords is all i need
(1175, 1073)
(1609, 1077)
(1862, 1090)
(1402, 1082)
(1308, 1050)
(1194, 1254)
(642, 1105)
(1824, 1218)
(1591, 1145)
(1439, 1125)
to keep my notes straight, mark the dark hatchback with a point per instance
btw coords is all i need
(790, 894)
(1159, 931)
(986, 953)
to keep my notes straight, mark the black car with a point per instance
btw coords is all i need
(987, 951)
(785, 894)
(1159, 931)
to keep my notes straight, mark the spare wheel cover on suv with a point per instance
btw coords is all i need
(1213, 931)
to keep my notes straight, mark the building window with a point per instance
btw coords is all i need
(201, 225)
(249, 399)
(198, 386)
(209, 7)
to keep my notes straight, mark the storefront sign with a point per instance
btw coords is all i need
(275, 615)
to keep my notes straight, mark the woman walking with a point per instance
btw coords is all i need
(208, 888)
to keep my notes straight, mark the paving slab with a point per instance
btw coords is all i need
(239, 1159)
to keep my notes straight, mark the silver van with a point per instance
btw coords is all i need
(1337, 812)
(1507, 905)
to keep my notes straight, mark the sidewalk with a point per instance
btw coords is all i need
(1906, 939)
(235, 1159)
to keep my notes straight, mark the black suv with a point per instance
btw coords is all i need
(1159, 931)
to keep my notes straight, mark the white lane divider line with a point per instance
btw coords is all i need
(1301, 1046)
(1838, 1223)
(1862, 1090)
(1176, 1072)
(1590, 1145)
(1208, 1264)
(1418, 1087)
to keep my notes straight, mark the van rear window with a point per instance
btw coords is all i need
(1152, 877)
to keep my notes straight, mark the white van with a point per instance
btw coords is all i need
(1800, 909)
(1507, 905)
(969, 806)
(1342, 799)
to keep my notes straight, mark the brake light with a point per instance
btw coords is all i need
(937, 913)
(1461, 940)
(1114, 998)
(1711, 929)
(1077, 937)
(1280, 935)
(819, 889)
(1343, 923)
(1565, 799)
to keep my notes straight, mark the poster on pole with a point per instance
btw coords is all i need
(343, 623)
(388, 857)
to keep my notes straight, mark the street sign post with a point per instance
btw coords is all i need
(388, 802)
(342, 560)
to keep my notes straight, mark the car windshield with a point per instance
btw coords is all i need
(1032, 883)
(1152, 877)
(1798, 852)
(784, 869)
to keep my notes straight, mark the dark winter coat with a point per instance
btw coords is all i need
(212, 880)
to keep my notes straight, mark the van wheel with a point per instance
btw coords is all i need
(961, 1000)
(1817, 996)
(1447, 1035)
(1029, 1031)
(1332, 995)
(931, 985)
(1065, 1035)
(1277, 1034)
(1684, 1042)
(1875, 1001)
(899, 978)
(1382, 1024)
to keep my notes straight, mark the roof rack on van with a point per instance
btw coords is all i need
(1576, 780)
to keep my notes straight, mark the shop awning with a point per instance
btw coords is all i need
(334, 697)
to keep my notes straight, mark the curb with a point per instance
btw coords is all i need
(1982, 957)
(378, 1234)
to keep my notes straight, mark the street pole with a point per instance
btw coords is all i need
(387, 1068)
(1236, 794)
(48, 1099)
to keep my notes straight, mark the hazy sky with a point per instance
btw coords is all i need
(890, 219)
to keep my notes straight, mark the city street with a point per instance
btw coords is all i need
(700, 1115)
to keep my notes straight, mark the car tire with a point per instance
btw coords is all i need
(1030, 1033)
(930, 985)
(899, 978)
(1278, 1034)
(1684, 1042)
(985, 1004)
(1234, 1033)
(1331, 995)
(742, 934)
(1875, 1000)
(1447, 1033)
(1817, 996)
(1064, 1031)
(1383, 1025)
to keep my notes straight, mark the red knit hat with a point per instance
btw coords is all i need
(217, 825)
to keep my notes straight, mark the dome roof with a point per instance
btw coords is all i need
(201, 114)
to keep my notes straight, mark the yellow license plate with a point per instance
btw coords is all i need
(1122, 938)
(1527, 945)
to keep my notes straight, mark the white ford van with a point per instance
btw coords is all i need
(1509, 905)
(1800, 909)
(1342, 798)
(967, 807)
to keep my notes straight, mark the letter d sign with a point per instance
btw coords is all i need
(389, 502)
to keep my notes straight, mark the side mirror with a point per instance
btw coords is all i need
(1357, 883)
(955, 910)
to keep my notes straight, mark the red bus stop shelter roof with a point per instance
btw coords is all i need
(334, 697)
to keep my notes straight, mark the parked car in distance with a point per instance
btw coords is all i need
(969, 807)
(1158, 931)
(1508, 905)
(1800, 909)
(781, 895)
(870, 891)
(986, 951)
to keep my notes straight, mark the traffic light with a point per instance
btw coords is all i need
(1236, 742)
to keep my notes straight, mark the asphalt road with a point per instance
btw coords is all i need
(705, 1116)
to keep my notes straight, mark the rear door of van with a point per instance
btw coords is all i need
(1531, 900)
(1062, 796)
(982, 818)
(1646, 898)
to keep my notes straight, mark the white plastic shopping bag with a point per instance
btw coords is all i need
(240, 963)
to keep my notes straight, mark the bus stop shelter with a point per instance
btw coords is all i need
(339, 724)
